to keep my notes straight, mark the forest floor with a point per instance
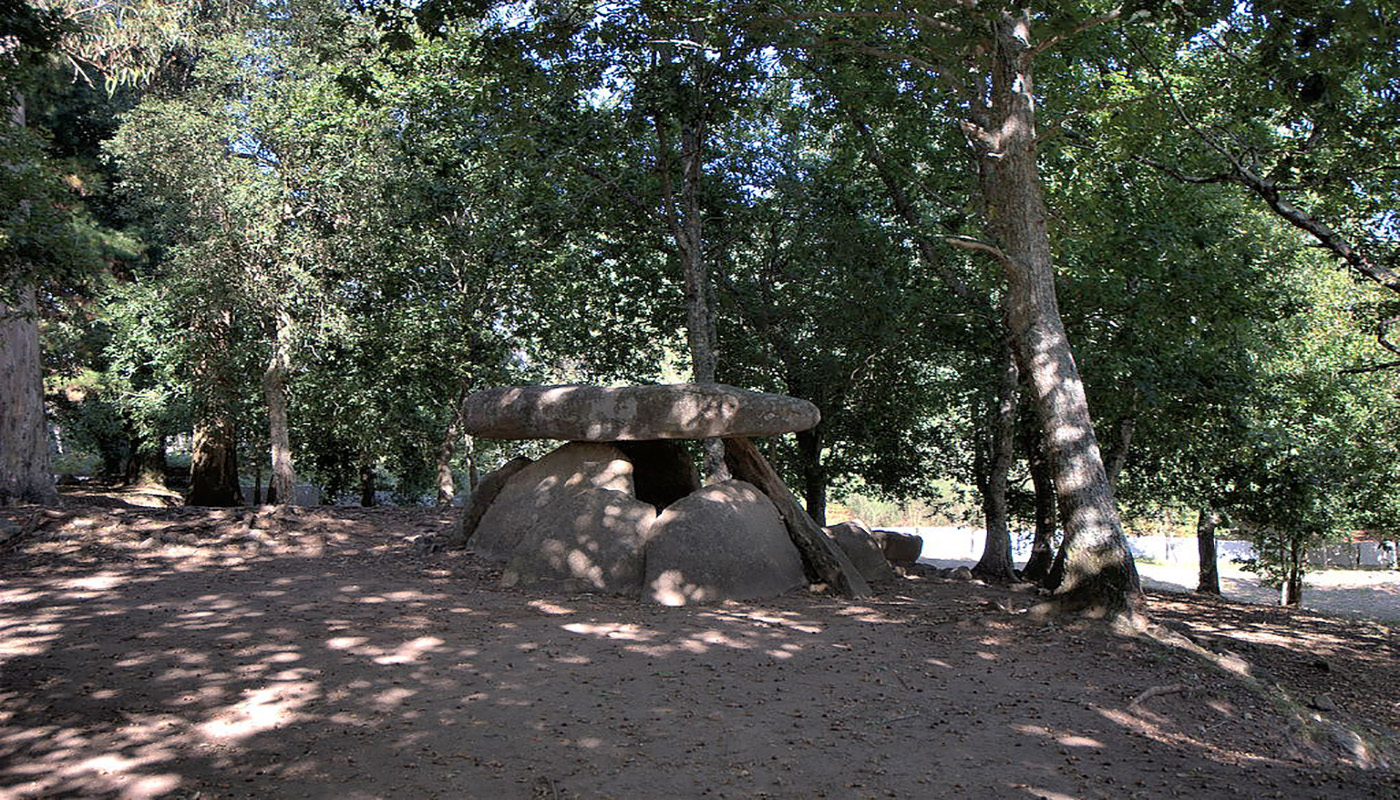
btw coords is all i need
(253, 653)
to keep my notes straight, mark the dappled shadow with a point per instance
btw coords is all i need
(322, 655)
(1315, 654)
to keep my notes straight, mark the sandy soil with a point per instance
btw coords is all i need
(249, 653)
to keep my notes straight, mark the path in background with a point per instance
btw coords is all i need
(1372, 594)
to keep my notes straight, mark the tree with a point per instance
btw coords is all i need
(948, 55)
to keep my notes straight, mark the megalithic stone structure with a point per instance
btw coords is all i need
(582, 518)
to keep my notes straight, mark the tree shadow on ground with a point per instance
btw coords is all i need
(251, 653)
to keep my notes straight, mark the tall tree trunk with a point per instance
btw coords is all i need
(1209, 573)
(284, 480)
(995, 564)
(1099, 576)
(685, 214)
(473, 466)
(26, 474)
(367, 498)
(214, 465)
(809, 450)
(1043, 547)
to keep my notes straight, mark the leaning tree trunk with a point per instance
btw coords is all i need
(809, 451)
(995, 564)
(214, 465)
(1043, 546)
(1099, 575)
(823, 560)
(25, 472)
(1209, 573)
(282, 486)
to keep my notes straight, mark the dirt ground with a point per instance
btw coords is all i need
(249, 653)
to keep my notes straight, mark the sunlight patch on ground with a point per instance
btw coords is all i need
(260, 710)
(1065, 738)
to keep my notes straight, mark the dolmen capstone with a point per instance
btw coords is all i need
(620, 507)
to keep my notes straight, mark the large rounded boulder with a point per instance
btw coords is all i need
(863, 549)
(531, 495)
(723, 542)
(590, 541)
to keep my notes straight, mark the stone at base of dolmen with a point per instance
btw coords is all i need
(481, 499)
(863, 549)
(534, 491)
(630, 413)
(591, 541)
(724, 542)
(902, 549)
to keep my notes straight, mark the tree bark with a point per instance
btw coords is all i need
(809, 450)
(446, 485)
(1291, 590)
(367, 499)
(1208, 581)
(1099, 576)
(282, 486)
(823, 560)
(26, 474)
(1118, 454)
(146, 464)
(214, 465)
(995, 564)
(685, 215)
(1043, 547)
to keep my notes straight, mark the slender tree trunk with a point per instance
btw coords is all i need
(25, 472)
(1209, 580)
(687, 230)
(995, 564)
(284, 480)
(146, 465)
(367, 499)
(1043, 547)
(473, 467)
(1118, 455)
(1291, 592)
(809, 450)
(1099, 576)
(257, 485)
(447, 448)
(214, 465)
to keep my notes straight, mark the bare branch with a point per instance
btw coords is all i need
(1092, 22)
(968, 243)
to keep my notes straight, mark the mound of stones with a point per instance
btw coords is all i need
(620, 507)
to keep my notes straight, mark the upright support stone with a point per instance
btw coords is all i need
(821, 557)
(482, 496)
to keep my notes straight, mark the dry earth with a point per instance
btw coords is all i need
(247, 653)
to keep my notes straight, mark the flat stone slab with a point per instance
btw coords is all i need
(634, 413)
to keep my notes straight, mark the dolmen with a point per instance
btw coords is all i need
(620, 508)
